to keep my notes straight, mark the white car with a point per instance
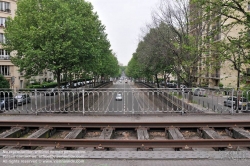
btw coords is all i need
(199, 92)
(118, 97)
(23, 99)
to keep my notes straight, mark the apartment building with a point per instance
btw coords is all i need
(209, 71)
(7, 69)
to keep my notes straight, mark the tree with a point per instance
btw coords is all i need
(3, 82)
(169, 46)
(133, 69)
(230, 16)
(59, 36)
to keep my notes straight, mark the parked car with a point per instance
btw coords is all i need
(23, 99)
(118, 97)
(199, 92)
(51, 92)
(171, 85)
(233, 101)
(8, 103)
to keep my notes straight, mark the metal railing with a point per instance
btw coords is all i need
(104, 101)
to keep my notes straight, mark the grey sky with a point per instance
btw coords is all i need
(123, 20)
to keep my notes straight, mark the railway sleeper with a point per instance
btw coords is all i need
(175, 134)
(107, 133)
(209, 133)
(41, 133)
(240, 133)
(14, 132)
(75, 133)
(142, 133)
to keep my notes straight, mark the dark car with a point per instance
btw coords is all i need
(172, 85)
(8, 103)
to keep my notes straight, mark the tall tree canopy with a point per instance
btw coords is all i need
(62, 36)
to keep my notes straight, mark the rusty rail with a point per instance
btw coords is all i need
(125, 124)
(59, 143)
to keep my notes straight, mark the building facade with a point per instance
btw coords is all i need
(209, 70)
(8, 69)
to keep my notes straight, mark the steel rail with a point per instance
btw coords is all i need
(227, 143)
(125, 124)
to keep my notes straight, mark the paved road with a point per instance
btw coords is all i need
(134, 101)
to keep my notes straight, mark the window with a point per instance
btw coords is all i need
(248, 6)
(2, 21)
(5, 6)
(2, 38)
(4, 52)
(5, 70)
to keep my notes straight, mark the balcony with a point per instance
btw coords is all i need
(4, 57)
(5, 10)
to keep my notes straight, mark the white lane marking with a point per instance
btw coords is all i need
(109, 102)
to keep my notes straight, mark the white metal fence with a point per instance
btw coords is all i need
(133, 101)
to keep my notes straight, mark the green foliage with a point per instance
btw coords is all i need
(3, 82)
(221, 85)
(59, 36)
(44, 85)
(228, 16)
(168, 47)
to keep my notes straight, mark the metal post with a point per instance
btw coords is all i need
(36, 101)
(182, 110)
(83, 110)
(133, 100)
(232, 109)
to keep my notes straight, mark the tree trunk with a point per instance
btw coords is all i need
(58, 78)
(157, 81)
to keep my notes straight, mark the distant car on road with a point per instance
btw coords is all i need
(23, 99)
(118, 97)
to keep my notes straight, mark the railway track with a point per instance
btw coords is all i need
(138, 135)
(125, 124)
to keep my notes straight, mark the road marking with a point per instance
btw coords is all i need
(109, 103)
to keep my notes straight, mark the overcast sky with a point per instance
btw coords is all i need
(123, 20)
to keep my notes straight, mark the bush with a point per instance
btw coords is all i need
(221, 85)
(3, 82)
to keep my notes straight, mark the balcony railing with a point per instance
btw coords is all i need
(5, 57)
(5, 10)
